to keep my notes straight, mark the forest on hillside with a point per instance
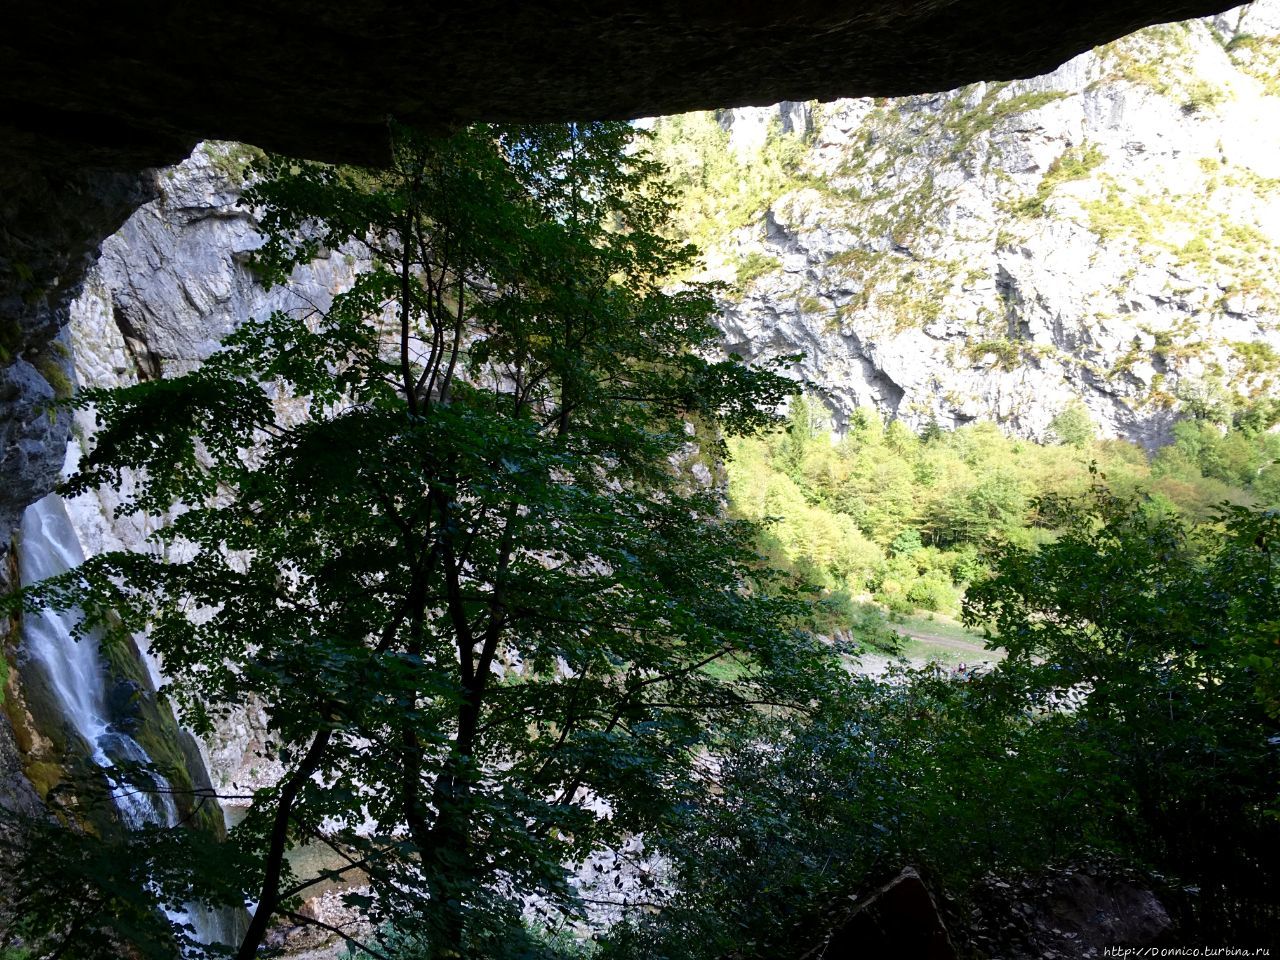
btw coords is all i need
(908, 520)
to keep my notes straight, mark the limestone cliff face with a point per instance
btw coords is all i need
(92, 99)
(170, 284)
(50, 227)
(1109, 232)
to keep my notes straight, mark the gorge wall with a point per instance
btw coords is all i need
(94, 97)
(170, 284)
(1107, 234)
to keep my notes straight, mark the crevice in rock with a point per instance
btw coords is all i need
(146, 362)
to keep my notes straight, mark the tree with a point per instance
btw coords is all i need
(1131, 730)
(1162, 636)
(992, 506)
(478, 600)
(1073, 426)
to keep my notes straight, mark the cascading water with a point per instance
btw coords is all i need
(49, 546)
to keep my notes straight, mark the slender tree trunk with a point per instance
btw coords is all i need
(268, 897)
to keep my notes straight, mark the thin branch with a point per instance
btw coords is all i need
(346, 937)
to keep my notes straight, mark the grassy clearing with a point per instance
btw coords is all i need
(939, 638)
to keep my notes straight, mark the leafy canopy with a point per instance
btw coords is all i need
(1132, 730)
(439, 530)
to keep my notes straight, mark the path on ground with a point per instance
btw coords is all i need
(951, 643)
(877, 664)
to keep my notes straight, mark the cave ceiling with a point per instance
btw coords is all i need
(131, 84)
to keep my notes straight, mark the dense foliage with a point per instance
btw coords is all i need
(907, 518)
(716, 189)
(445, 530)
(1133, 727)
(439, 529)
(1162, 637)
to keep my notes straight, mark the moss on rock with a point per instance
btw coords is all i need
(136, 708)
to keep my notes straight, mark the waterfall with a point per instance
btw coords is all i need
(49, 546)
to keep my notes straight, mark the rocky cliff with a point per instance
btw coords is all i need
(1108, 233)
(169, 285)
(92, 96)
(83, 120)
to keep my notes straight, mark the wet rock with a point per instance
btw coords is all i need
(1087, 912)
(33, 439)
(123, 704)
(334, 920)
(169, 285)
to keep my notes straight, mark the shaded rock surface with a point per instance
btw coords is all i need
(16, 792)
(139, 84)
(1107, 234)
(32, 435)
(1067, 915)
(51, 224)
(170, 284)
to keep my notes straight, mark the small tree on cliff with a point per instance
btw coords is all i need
(471, 586)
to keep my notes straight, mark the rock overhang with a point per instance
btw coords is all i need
(93, 93)
(138, 84)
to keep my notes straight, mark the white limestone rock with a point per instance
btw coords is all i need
(1108, 233)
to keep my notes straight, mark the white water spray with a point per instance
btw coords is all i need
(49, 546)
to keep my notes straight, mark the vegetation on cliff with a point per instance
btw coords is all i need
(1107, 233)
(1127, 730)
(463, 534)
